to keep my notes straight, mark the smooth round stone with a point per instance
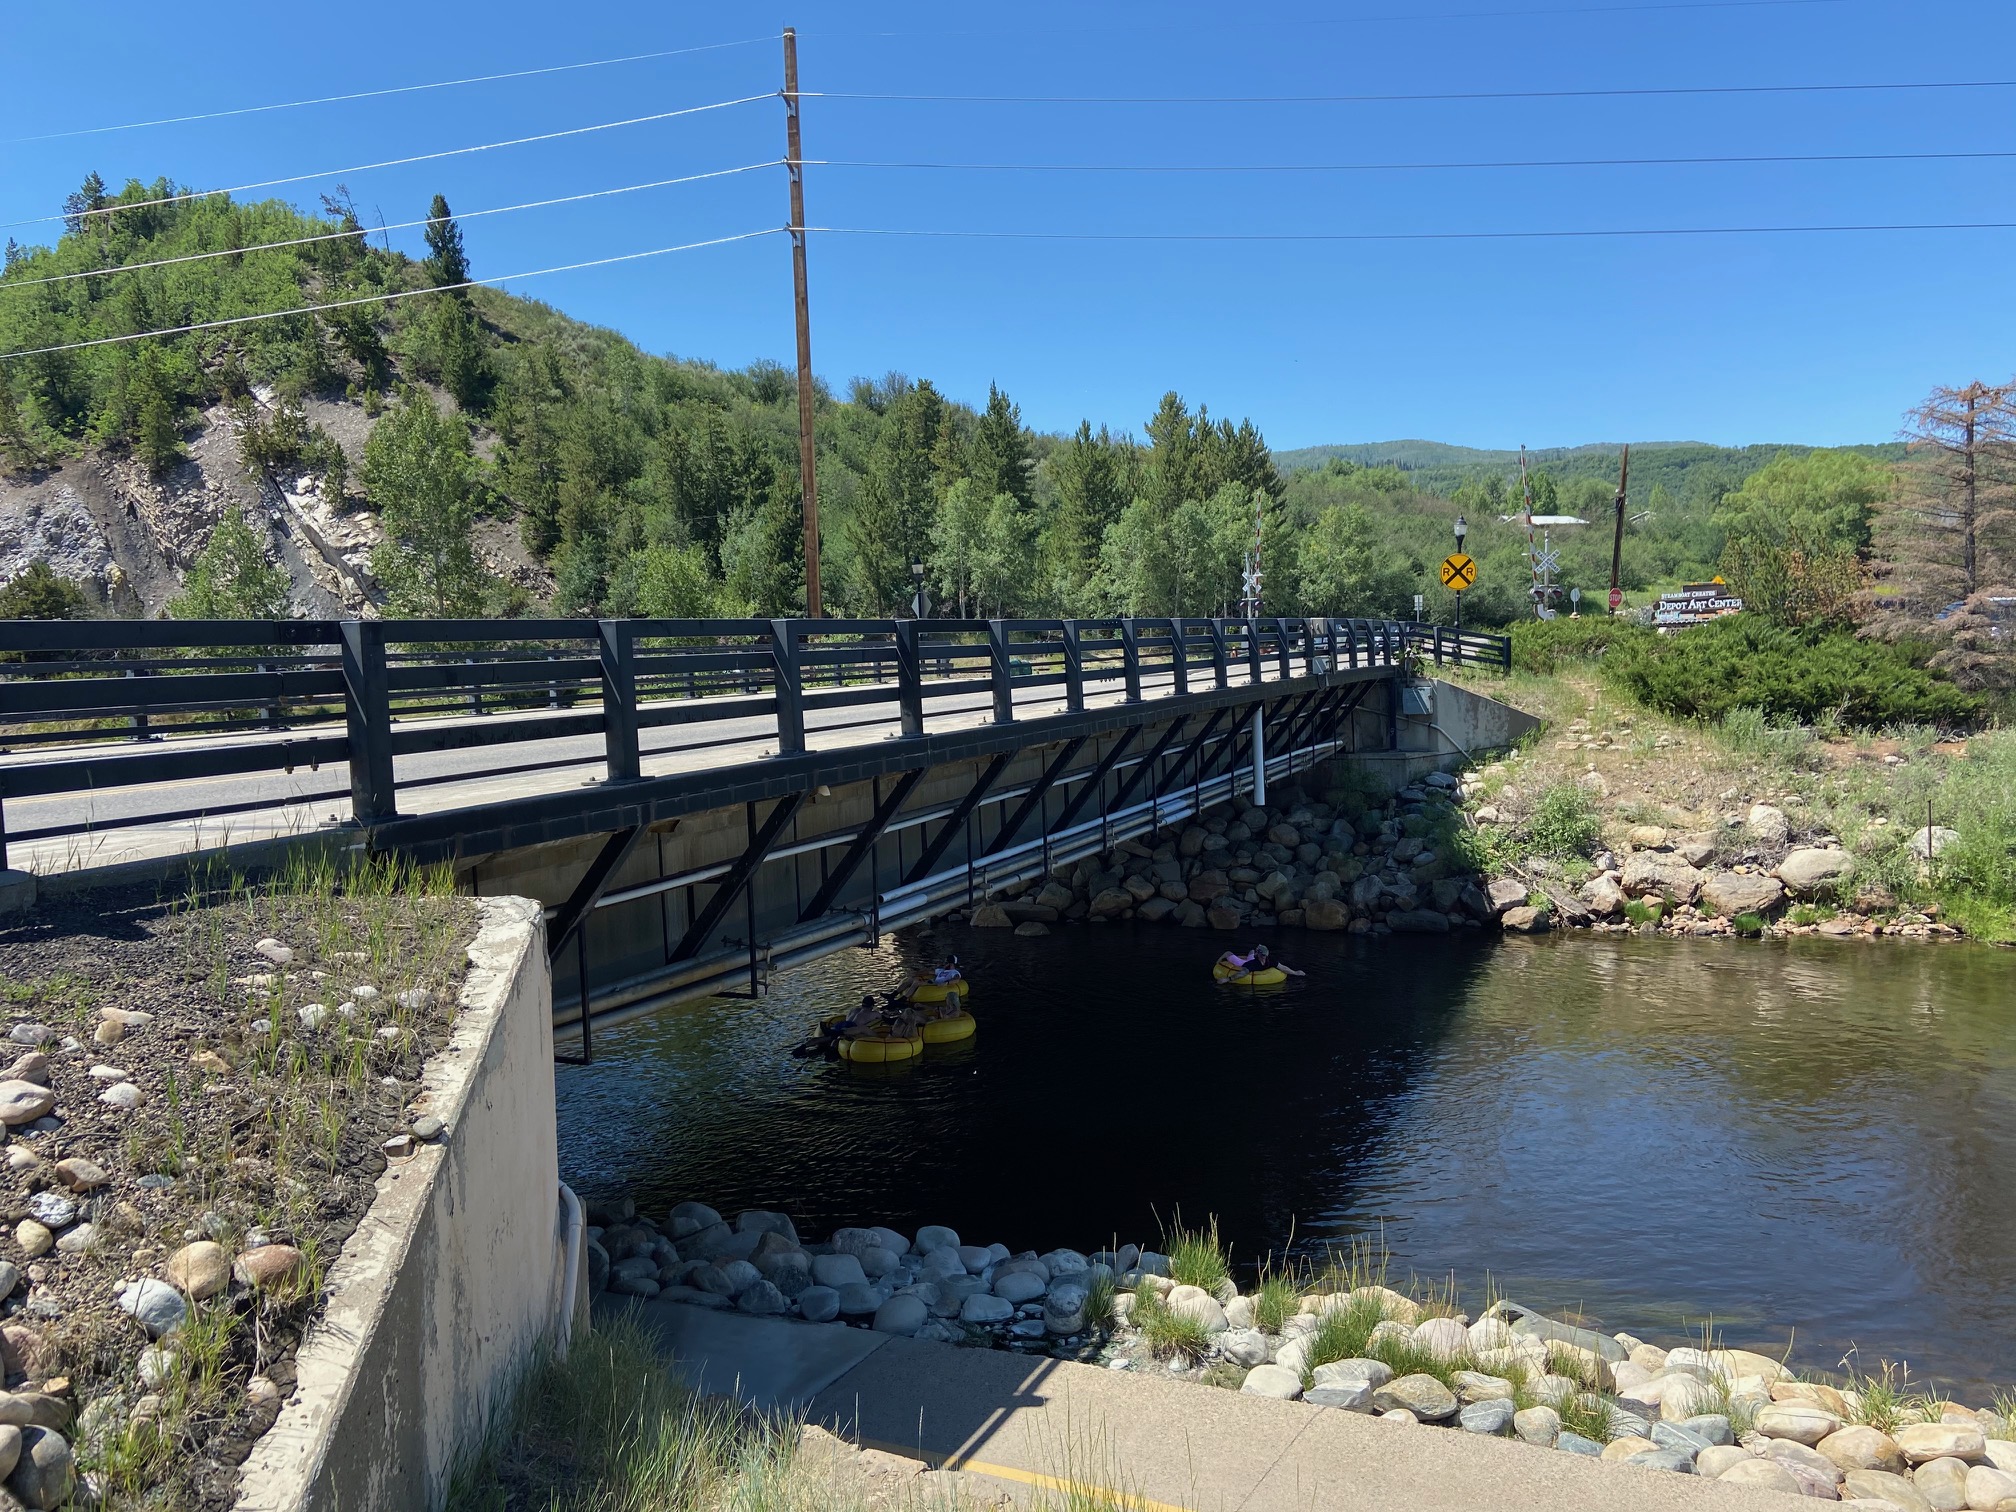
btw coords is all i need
(1942, 1482)
(1686, 1396)
(52, 1209)
(1575, 1443)
(81, 1240)
(1027, 1328)
(1374, 1373)
(877, 1262)
(1066, 1262)
(156, 1305)
(1424, 1396)
(1801, 1461)
(1398, 1415)
(902, 1315)
(1763, 1473)
(1243, 1346)
(706, 1278)
(763, 1221)
(976, 1258)
(853, 1241)
(1348, 1396)
(890, 1240)
(44, 1474)
(985, 1309)
(1493, 1415)
(1197, 1304)
(1862, 1448)
(1272, 1381)
(1474, 1386)
(1989, 1487)
(1019, 1286)
(1802, 1422)
(1712, 1461)
(1064, 1311)
(819, 1304)
(1537, 1425)
(1488, 1334)
(761, 1298)
(1711, 1427)
(933, 1237)
(689, 1218)
(1673, 1436)
(858, 1299)
(1924, 1442)
(837, 1271)
(1664, 1459)
(740, 1276)
(1442, 1338)
(999, 1252)
(961, 1286)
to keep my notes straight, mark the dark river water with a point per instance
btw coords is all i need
(1796, 1139)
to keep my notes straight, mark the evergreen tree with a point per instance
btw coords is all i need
(419, 473)
(1168, 469)
(232, 579)
(89, 196)
(457, 342)
(447, 262)
(533, 395)
(999, 458)
(39, 594)
(157, 426)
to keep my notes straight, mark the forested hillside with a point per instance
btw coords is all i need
(421, 446)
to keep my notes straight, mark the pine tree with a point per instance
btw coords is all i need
(38, 593)
(457, 340)
(534, 391)
(447, 263)
(89, 196)
(1172, 450)
(157, 427)
(999, 457)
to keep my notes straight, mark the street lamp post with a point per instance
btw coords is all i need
(1462, 530)
(917, 602)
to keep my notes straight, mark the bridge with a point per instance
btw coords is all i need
(700, 803)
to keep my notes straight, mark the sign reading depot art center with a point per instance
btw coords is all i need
(1695, 604)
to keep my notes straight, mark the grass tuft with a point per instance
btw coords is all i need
(1275, 1301)
(1168, 1335)
(1196, 1257)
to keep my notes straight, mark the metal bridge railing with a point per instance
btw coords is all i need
(98, 705)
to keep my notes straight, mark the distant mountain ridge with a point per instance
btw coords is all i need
(1685, 468)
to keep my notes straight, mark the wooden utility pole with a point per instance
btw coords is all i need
(807, 478)
(1617, 540)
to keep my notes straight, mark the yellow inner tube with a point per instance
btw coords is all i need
(937, 992)
(948, 1031)
(874, 1049)
(1272, 976)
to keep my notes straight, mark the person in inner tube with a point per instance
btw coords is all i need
(1254, 961)
(948, 976)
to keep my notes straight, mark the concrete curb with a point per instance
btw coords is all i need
(452, 1280)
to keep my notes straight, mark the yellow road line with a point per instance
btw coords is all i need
(1132, 1501)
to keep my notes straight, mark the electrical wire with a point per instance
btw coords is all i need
(1646, 162)
(420, 157)
(460, 215)
(345, 304)
(1470, 15)
(1393, 99)
(375, 94)
(1404, 236)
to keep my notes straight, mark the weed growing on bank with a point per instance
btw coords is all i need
(1196, 1258)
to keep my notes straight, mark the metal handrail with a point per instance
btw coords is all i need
(107, 704)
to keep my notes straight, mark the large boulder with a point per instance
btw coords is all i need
(1659, 874)
(1503, 894)
(1860, 1448)
(1931, 840)
(1195, 1303)
(1424, 1396)
(1325, 914)
(1924, 1442)
(1768, 826)
(1816, 873)
(1732, 893)
(1802, 1422)
(1418, 921)
(1111, 903)
(1272, 1381)
(1524, 920)
(1604, 897)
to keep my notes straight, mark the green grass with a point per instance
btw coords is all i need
(1748, 925)
(1810, 913)
(1196, 1257)
(1099, 1301)
(1565, 822)
(1640, 911)
(2004, 1407)
(1167, 1334)
(1275, 1301)
(1586, 1415)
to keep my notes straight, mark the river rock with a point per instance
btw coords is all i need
(1475, 1386)
(1243, 1346)
(23, 1102)
(1325, 914)
(44, 1474)
(1764, 1474)
(1524, 920)
(876, 1262)
(1815, 873)
(986, 1309)
(1064, 1308)
(1374, 1373)
(1537, 1425)
(1346, 1396)
(902, 1315)
(52, 1209)
(1199, 1305)
(689, 1218)
(1880, 1485)
(1621, 1449)
(819, 1304)
(1442, 1338)
(740, 1276)
(1603, 895)
(1659, 874)
(1802, 1422)
(1419, 921)
(838, 1270)
(1675, 1461)
(267, 1265)
(1684, 1396)
(763, 1221)
(81, 1175)
(201, 1269)
(1490, 1333)
(1732, 893)
(1492, 1416)
(1673, 1436)
(1943, 1483)
(933, 1237)
(1768, 826)
(1424, 1396)
(155, 1305)
(1019, 1286)
(975, 1257)
(1272, 1381)
(1989, 1489)
(1924, 1442)
(1238, 1312)
(761, 1298)
(1929, 842)
(1504, 894)
(1861, 1448)
(859, 1300)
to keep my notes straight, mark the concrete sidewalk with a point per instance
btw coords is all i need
(1165, 1446)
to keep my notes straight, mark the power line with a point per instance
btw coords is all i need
(303, 241)
(421, 157)
(374, 94)
(1404, 236)
(345, 304)
(1406, 167)
(1393, 99)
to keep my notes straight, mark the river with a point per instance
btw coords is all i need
(1805, 1141)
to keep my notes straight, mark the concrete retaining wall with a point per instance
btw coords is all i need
(452, 1280)
(1439, 727)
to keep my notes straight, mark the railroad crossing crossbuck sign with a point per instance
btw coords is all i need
(1459, 572)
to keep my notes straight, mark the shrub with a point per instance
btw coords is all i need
(1542, 645)
(1640, 911)
(1564, 822)
(1798, 675)
(1749, 925)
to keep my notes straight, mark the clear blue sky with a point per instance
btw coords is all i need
(1726, 339)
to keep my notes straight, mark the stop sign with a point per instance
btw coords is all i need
(1616, 598)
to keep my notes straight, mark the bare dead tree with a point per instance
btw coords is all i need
(1946, 545)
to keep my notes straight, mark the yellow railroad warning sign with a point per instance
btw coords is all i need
(1459, 572)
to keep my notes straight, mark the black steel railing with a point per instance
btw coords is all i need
(106, 705)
